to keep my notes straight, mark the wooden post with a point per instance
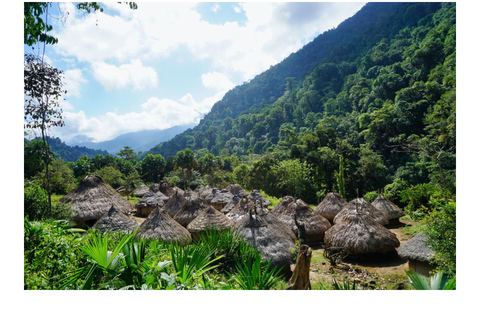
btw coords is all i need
(300, 279)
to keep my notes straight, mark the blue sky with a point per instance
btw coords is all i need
(166, 64)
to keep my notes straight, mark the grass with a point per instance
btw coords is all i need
(56, 197)
(132, 200)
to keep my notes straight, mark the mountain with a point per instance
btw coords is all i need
(352, 39)
(139, 141)
(69, 153)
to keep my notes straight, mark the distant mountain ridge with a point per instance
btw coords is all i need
(139, 141)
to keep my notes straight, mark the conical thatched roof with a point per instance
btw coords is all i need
(416, 248)
(270, 240)
(314, 224)
(237, 190)
(229, 206)
(362, 206)
(388, 208)
(203, 191)
(330, 206)
(358, 234)
(93, 198)
(166, 189)
(255, 196)
(210, 218)
(151, 199)
(189, 194)
(282, 205)
(221, 199)
(189, 211)
(140, 191)
(239, 210)
(160, 225)
(174, 204)
(209, 196)
(114, 221)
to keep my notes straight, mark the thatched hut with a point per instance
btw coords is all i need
(174, 204)
(221, 199)
(239, 210)
(210, 195)
(282, 205)
(166, 189)
(203, 191)
(330, 206)
(92, 199)
(358, 235)
(210, 218)
(313, 225)
(115, 221)
(365, 207)
(189, 211)
(255, 196)
(269, 240)
(237, 190)
(140, 191)
(230, 205)
(418, 253)
(149, 202)
(392, 212)
(160, 225)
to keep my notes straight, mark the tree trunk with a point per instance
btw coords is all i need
(300, 279)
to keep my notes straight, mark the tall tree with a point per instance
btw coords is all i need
(42, 90)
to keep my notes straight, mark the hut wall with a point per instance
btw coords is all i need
(421, 267)
(218, 206)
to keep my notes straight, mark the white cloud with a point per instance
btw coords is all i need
(215, 8)
(218, 81)
(237, 9)
(155, 113)
(134, 74)
(155, 30)
(73, 81)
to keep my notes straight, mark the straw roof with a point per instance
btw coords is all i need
(209, 196)
(210, 218)
(256, 195)
(358, 234)
(189, 211)
(221, 199)
(237, 190)
(230, 205)
(388, 208)
(239, 210)
(174, 204)
(93, 198)
(166, 189)
(151, 199)
(203, 191)
(416, 248)
(160, 225)
(363, 206)
(140, 191)
(298, 212)
(115, 221)
(282, 205)
(330, 206)
(269, 240)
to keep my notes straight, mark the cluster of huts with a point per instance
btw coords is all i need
(358, 228)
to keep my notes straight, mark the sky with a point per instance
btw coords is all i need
(166, 64)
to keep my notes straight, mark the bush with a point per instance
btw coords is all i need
(418, 199)
(370, 196)
(441, 231)
(35, 201)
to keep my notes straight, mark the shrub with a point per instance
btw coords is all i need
(35, 201)
(417, 199)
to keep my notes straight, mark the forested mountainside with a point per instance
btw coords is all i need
(378, 106)
(68, 153)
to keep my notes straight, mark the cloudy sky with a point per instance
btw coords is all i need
(166, 64)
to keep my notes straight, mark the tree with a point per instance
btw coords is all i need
(152, 167)
(127, 153)
(185, 160)
(294, 176)
(42, 90)
(35, 28)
